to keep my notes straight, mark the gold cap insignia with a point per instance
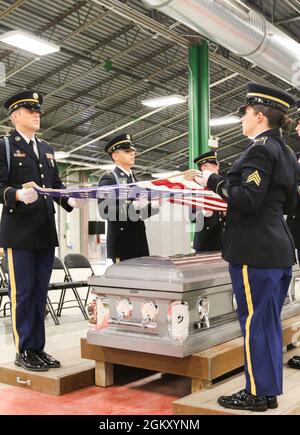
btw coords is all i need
(35, 95)
(128, 137)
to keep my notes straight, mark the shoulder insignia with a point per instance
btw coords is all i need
(255, 178)
(261, 140)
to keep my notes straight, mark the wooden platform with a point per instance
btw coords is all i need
(75, 373)
(203, 367)
(205, 402)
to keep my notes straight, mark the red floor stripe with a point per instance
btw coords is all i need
(149, 397)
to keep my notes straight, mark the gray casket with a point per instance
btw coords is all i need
(170, 306)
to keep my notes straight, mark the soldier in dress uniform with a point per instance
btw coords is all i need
(209, 235)
(260, 188)
(294, 224)
(126, 233)
(27, 229)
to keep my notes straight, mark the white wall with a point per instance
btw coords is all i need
(68, 228)
(96, 251)
(168, 232)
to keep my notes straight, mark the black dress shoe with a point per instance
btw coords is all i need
(50, 362)
(294, 363)
(29, 361)
(272, 402)
(244, 401)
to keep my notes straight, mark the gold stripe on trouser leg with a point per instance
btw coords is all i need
(13, 295)
(248, 324)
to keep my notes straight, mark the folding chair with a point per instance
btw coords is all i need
(3, 291)
(4, 286)
(77, 265)
(60, 280)
(4, 272)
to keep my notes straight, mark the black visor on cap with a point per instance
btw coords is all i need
(274, 98)
(125, 147)
(33, 107)
(242, 110)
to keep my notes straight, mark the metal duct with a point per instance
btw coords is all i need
(243, 31)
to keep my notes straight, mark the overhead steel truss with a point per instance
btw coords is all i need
(85, 104)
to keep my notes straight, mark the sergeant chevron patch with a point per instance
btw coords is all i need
(255, 177)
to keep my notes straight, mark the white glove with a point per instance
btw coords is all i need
(190, 174)
(140, 203)
(77, 202)
(202, 180)
(27, 195)
(207, 213)
(156, 203)
(206, 173)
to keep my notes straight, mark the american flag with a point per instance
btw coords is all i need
(176, 189)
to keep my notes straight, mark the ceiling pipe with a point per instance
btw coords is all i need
(240, 29)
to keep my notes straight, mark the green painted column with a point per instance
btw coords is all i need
(199, 106)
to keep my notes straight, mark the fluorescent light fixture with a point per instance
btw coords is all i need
(108, 167)
(226, 120)
(29, 42)
(61, 155)
(164, 174)
(168, 100)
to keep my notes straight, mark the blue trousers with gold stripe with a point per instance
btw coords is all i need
(260, 294)
(29, 276)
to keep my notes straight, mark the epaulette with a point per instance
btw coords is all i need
(261, 140)
(107, 173)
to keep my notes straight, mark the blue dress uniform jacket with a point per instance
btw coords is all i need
(125, 238)
(29, 226)
(259, 188)
(293, 219)
(28, 234)
(210, 237)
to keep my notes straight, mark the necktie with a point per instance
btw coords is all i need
(35, 148)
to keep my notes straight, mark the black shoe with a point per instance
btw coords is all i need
(294, 363)
(50, 362)
(272, 402)
(244, 401)
(29, 361)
